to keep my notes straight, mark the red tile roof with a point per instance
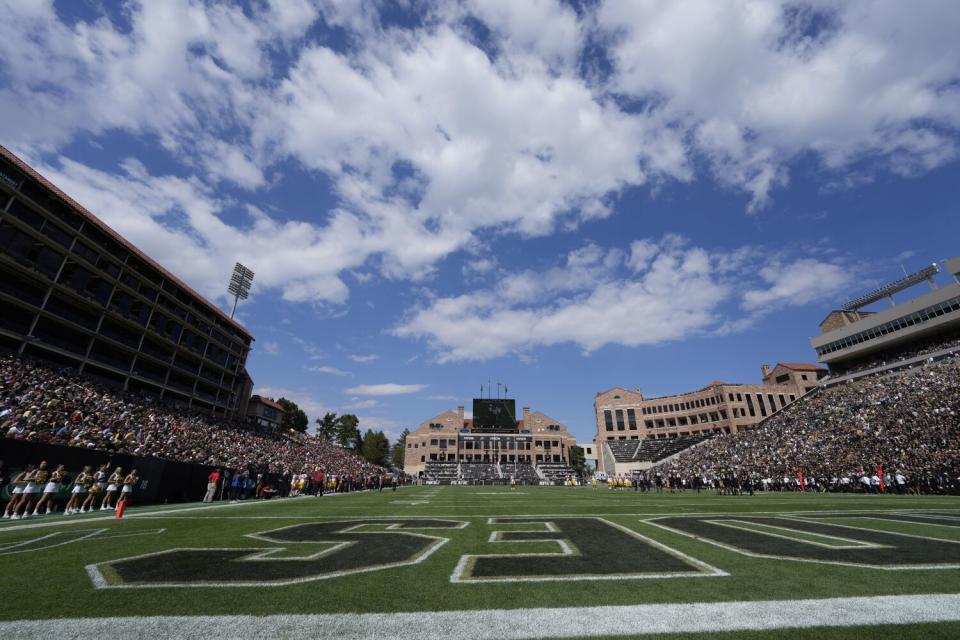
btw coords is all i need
(30, 171)
(268, 402)
(800, 366)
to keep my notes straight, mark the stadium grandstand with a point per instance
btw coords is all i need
(492, 446)
(889, 407)
(633, 432)
(76, 293)
(857, 341)
(104, 351)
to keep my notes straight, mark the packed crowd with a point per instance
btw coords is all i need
(45, 404)
(901, 425)
(896, 355)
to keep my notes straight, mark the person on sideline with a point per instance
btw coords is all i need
(212, 481)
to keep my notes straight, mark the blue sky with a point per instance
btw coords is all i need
(561, 196)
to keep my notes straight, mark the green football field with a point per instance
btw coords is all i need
(488, 562)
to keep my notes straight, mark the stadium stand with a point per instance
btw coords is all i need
(652, 450)
(907, 421)
(555, 471)
(45, 404)
(478, 471)
(524, 473)
(944, 346)
(441, 471)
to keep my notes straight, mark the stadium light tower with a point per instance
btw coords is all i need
(239, 285)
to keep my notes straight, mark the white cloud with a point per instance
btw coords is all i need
(760, 83)
(444, 398)
(429, 139)
(386, 389)
(591, 302)
(328, 369)
(271, 348)
(797, 283)
(357, 403)
(364, 358)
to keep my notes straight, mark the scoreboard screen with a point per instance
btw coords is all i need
(489, 413)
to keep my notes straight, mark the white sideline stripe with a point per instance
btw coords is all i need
(517, 624)
(157, 511)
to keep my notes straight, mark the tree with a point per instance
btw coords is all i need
(348, 432)
(327, 426)
(399, 450)
(294, 418)
(577, 460)
(375, 447)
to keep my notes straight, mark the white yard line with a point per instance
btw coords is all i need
(517, 624)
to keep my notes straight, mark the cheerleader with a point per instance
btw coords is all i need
(51, 489)
(95, 491)
(129, 482)
(19, 482)
(35, 481)
(81, 485)
(113, 483)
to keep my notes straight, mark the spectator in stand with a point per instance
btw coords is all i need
(907, 422)
(45, 404)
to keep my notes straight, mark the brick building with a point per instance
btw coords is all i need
(623, 415)
(534, 439)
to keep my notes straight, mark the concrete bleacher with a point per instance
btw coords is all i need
(479, 471)
(651, 450)
(524, 473)
(555, 471)
(442, 471)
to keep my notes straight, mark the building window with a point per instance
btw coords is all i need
(608, 419)
(750, 408)
(763, 409)
(632, 419)
(620, 425)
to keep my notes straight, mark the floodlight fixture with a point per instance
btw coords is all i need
(240, 283)
(887, 291)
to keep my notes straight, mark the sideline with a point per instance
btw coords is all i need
(152, 511)
(518, 624)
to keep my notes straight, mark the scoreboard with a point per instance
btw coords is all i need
(491, 414)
